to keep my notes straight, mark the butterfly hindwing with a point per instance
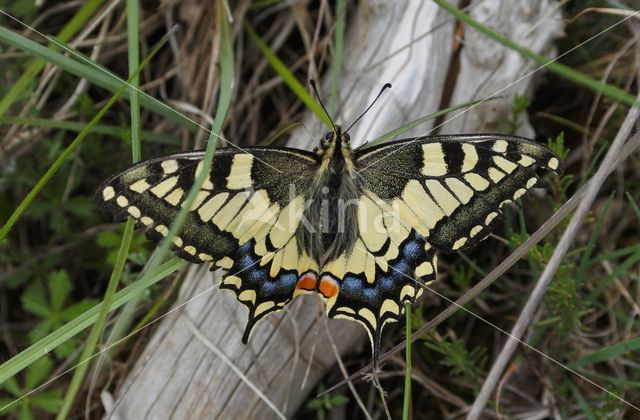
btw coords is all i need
(452, 188)
(375, 303)
(388, 265)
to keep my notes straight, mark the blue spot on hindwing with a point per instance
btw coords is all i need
(412, 249)
(255, 277)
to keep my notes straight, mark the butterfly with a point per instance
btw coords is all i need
(360, 227)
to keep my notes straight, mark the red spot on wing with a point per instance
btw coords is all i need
(307, 281)
(328, 287)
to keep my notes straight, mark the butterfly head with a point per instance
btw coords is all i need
(333, 141)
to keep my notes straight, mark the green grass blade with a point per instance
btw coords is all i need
(406, 404)
(338, 54)
(582, 402)
(281, 133)
(634, 204)
(620, 270)
(224, 100)
(289, 79)
(94, 335)
(91, 71)
(36, 65)
(564, 122)
(133, 52)
(613, 380)
(561, 70)
(133, 17)
(613, 255)
(109, 130)
(86, 319)
(606, 353)
(415, 123)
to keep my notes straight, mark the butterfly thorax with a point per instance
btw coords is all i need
(329, 223)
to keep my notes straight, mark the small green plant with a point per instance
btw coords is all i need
(557, 146)
(510, 123)
(52, 304)
(559, 185)
(110, 241)
(465, 364)
(323, 405)
(48, 401)
(462, 275)
(565, 302)
(607, 407)
(518, 108)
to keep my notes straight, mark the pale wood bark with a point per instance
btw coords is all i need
(408, 43)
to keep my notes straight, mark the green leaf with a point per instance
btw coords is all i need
(78, 308)
(49, 401)
(11, 386)
(339, 400)
(28, 356)
(67, 348)
(59, 288)
(34, 300)
(108, 239)
(39, 209)
(37, 372)
(24, 413)
(17, 279)
(41, 329)
(80, 206)
(5, 407)
(315, 404)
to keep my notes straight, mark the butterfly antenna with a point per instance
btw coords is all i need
(386, 86)
(315, 90)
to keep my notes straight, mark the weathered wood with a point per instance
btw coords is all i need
(489, 69)
(408, 43)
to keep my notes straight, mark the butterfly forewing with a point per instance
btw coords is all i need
(451, 188)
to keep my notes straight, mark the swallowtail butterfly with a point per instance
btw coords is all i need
(359, 227)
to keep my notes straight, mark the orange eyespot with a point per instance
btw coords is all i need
(307, 282)
(328, 287)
